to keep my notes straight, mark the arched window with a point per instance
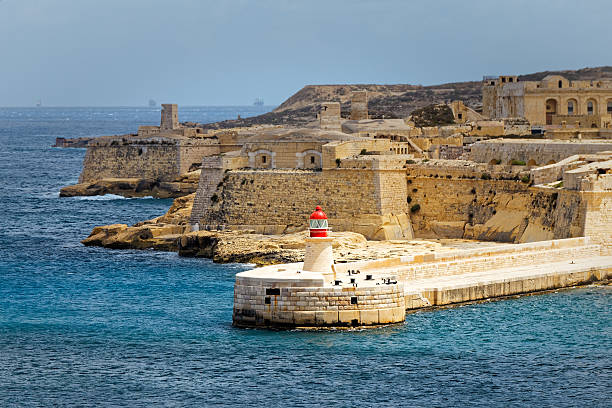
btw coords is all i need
(589, 107)
(570, 107)
(560, 84)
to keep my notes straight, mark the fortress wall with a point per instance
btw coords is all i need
(157, 158)
(276, 201)
(341, 150)
(598, 217)
(498, 210)
(286, 155)
(147, 161)
(540, 151)
(288, 197)
(189, 154)
(211, 177)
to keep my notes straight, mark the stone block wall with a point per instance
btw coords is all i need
(276, 201)
(158, 158)
(147, 160)
(340, 150)
(359, 105)
(537, 152)
(598, 216)
(190, 154)
(211, 179)
(329, 116)
(169, 116)
(317, 306)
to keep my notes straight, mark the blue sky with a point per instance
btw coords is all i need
(228, 52)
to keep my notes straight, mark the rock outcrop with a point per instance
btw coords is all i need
(135, 187)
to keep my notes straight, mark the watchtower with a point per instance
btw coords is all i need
(359, 105)
(169, 116)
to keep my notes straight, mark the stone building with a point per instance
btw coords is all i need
(289, 148)
(550, 101)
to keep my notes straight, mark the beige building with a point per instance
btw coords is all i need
(550, 101)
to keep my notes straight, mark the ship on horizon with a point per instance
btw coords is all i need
(258, 102)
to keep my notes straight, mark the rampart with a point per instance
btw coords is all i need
(154, 158)
(369, 201)
(533, 151)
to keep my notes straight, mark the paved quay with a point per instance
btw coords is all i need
(445, 290)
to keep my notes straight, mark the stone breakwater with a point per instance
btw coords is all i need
(366, 293)
(290, 298)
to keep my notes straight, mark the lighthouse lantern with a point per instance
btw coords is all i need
(318, 223)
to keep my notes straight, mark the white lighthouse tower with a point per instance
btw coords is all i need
(318, 257)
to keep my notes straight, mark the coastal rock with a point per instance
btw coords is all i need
(133, 187)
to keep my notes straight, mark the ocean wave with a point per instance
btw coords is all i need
(108, 197)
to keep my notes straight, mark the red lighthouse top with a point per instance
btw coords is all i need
(318, 223)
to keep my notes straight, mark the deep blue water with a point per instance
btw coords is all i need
(94, 327)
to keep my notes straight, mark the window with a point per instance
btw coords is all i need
(509, 79)
(610, 107)
(560, 84)
(459, 115)
(589, 108)
(503, 79)
(263, 159)
(312, 159)
(570, 107)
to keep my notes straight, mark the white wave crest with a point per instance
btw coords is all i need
(108, 197)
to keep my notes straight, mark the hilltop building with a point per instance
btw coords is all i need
(552, 101)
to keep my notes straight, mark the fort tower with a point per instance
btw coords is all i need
(169, 116)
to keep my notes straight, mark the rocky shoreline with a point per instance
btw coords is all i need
(136, 187)
(172, 232)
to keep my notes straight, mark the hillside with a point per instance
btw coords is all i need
(388, 101)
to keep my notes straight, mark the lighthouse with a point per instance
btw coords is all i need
(318, 257)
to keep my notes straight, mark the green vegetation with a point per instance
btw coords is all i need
(485, 176)
(525, 179)
(433, 115)
(338, 161)
(410, 161)
(497, 161)
(517, 163)
(363, 152)
(415, 208)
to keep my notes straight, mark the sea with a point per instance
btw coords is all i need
(96, 327)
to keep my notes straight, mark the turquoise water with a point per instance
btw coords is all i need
(93, 327)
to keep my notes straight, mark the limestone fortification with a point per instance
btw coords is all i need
(512, 172)
(549, 101)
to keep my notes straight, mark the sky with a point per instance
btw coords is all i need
(229, 52)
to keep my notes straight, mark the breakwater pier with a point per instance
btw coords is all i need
(371, 293)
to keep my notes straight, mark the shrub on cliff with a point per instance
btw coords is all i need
(433, 115)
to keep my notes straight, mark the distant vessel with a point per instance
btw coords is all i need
(38, 103)
(258, 102)
(152, 103)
